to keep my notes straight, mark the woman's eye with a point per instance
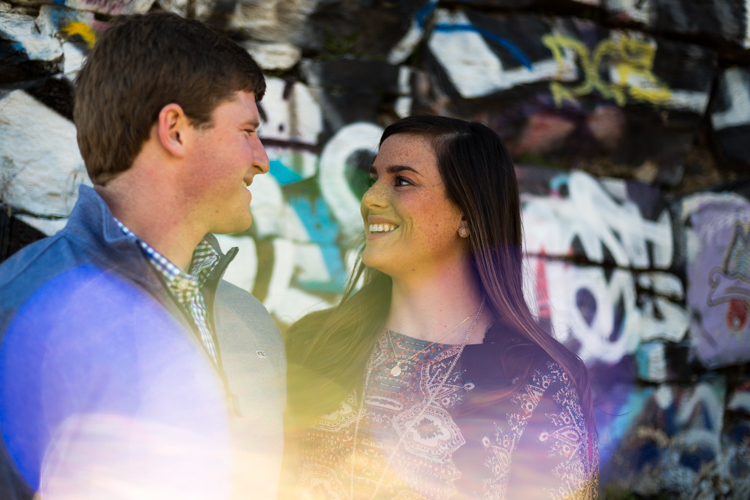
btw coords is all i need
(371, 181)
(401, 181)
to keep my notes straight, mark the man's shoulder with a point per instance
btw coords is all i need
(233, 297)
(36, 263)
(242, 306)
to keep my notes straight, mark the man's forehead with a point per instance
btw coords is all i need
(243, 106)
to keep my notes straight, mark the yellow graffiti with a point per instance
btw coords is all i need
(630, 58)
(82, 30)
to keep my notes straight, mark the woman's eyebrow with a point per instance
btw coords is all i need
(394, 169)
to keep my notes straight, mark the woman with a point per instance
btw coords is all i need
(433, 380)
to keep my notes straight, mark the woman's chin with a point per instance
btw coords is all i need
(376, 260)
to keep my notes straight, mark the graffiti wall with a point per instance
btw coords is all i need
(628, 122)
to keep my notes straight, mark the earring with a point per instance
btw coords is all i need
(463, 232)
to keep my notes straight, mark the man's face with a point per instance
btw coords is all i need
(223, 161)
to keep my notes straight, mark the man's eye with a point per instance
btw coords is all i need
(371, 181)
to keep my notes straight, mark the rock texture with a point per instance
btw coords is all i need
(628, 121)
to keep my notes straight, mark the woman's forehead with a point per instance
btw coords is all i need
(402, 149)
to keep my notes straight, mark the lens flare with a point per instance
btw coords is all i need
(104, 395)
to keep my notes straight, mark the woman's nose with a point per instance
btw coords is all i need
(376, 196)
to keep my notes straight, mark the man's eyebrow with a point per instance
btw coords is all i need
(251, 123)
(394, 169)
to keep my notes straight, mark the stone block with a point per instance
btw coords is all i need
(48, 227)
(40, 165)
(353, 90)
(715, 243)
(671, 446)
(281, 281)
(278, 21)
(482, 54)
(56, 93)
(292, 123)
(739, 398)
(724, 20)
(28, 48)
(597, 312)
(362, 28)
(78, 31)
(273, 56)
(730, 115)
(111, 7)
(616, 403)
(333, 28)
(733, 468)
(611, 222)
(290, 278)
(569, 92)
(15, 233)
(660, 361)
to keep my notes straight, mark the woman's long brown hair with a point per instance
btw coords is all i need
(328, 350)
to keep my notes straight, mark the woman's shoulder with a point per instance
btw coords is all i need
(550, 387)
(516, 352)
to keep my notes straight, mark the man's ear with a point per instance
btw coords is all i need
(172, 129)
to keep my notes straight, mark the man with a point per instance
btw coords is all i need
(128, 368)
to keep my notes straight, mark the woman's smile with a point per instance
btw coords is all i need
(379, 226)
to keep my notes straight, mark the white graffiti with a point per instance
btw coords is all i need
(613, 321)
(333, 184)
(637, 10)
(40, 165)
(292, 116)
(735, 84)
(599, 219)
(36, 37)
(473, 67)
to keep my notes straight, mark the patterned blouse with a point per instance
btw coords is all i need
(533, 445)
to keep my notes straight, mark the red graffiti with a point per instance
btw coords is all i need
(737, 315)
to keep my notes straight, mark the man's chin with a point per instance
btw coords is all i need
(236, 226)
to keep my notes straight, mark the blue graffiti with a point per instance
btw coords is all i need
(283, 174)
(323, 231)
(626, 404)
(556, 183)
(515, 51)
(421, 18)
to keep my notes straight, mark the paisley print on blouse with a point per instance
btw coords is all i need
(533, 445)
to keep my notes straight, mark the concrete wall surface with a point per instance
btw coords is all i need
(629, 122)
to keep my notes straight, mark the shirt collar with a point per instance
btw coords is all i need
(187, 284)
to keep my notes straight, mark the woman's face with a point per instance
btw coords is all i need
(411, 225)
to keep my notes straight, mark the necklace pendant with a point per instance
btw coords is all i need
(396, 370)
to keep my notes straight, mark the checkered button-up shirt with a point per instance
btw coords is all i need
(186, 286)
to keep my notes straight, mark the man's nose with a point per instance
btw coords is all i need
(261, 163)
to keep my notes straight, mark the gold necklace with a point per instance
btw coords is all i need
(396, 370)
(413, 422)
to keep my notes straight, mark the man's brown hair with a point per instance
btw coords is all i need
(141, 64)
